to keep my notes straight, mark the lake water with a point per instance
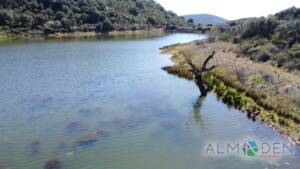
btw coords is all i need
(54, 92)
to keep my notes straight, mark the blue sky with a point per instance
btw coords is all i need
(229, 9)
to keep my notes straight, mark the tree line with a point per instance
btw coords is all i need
(52, 16)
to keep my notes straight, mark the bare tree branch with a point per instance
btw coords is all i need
(203, 67)
(198, 73)
(194, 68)
(211, 68)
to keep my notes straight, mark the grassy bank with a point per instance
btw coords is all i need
(74, 35)
(5, 37)
(2, 36)
(112, 33)
(260, 90)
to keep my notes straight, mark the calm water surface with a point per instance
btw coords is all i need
(56, 91)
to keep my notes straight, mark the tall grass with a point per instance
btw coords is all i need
(258, 89)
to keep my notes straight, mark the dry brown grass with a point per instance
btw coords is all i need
(280, 86)
(272, 88)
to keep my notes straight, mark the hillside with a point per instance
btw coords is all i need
(275, 39)
(52, 16)
(255, 68)
(205, 19)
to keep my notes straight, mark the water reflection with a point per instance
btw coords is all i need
(197, 110)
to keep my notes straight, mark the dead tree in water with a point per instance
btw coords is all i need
(199, 72)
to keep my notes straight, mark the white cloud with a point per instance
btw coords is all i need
(229, 9)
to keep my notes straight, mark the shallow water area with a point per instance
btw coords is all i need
(106, 103)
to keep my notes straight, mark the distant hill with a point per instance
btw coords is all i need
(52, 16)
(205, 19)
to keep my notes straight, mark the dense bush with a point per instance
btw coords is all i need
(272, 38)
(260, 27)
(50, 16)
(291, 13)
(287, 33)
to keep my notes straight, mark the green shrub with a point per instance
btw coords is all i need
(257, 79)
(180, 71)
(22, 16)
(275, 38)
(295, 50)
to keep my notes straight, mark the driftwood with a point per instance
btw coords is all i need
(199, 72)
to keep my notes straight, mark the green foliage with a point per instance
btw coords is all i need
(6, 17)
(180, 71)
(260, 27)
(190, 20)
(134, 11)
(257, 79)
(288, 32)
(268, 39)
(51, 16)
(290, 13)
(224, 36)
(295, 50)
(2, 36)
(253, 101)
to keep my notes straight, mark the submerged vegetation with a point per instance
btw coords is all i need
(53, 164)
(43, 17)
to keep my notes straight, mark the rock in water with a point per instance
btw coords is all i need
(74, 126)
(35, 146)
(53, 164)
(102, 132)
(35, 142)
(85, 139)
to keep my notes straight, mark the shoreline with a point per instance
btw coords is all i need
(78, 35)
(253, 101)
(112, 33)
(75, 35)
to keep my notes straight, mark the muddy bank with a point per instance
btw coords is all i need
(262, 91)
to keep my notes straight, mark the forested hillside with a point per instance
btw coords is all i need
(205, 19)
(52, 16)
(275, 39)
